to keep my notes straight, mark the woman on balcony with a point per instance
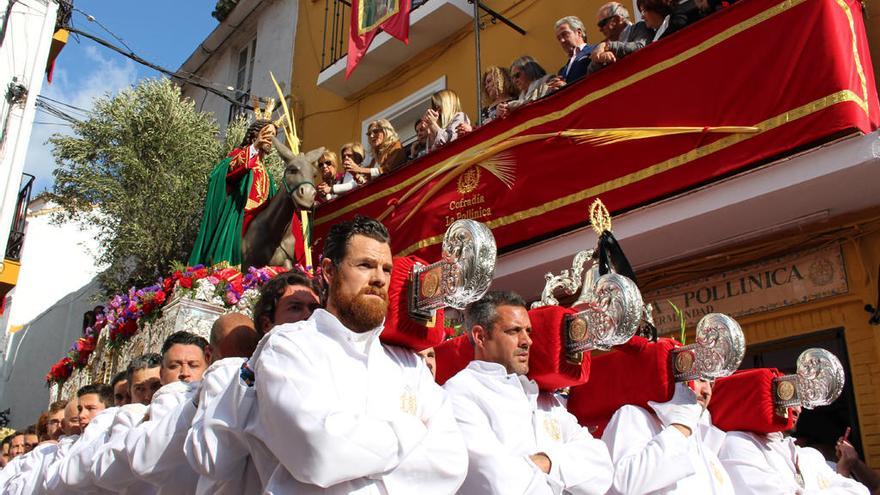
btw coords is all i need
(388, 153)
(328, 165)
(352, 156)
(498, 88)
(444, 118)
(531, 80)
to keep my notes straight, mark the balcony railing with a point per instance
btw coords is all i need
(16, 233)
(534, 174)
(337, 19)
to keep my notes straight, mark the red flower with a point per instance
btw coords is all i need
(200, 273)
(185, 282)
(237, 285)
(167, 284)
(160, 298)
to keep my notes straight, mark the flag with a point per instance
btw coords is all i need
(367, 17)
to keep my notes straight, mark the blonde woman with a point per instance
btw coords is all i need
(328, 165)
(444, 118)
(352, 156)
(388, 153)
(498, 88)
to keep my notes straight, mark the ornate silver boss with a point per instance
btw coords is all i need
(463, 274)
(818, 382)
(718, 351)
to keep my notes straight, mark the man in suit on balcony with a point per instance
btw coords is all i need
(572, 37)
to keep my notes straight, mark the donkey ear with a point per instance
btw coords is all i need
(313, 155)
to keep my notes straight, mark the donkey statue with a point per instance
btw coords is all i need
(268, 240)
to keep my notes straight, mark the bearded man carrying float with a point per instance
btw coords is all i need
(341, 411)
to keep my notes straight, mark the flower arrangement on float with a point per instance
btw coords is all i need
(125, 314)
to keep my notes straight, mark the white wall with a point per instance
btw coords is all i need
(274, 25)
(23, 56)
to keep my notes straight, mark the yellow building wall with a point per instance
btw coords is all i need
(325, 119)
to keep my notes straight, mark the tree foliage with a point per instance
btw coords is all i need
(138, 170)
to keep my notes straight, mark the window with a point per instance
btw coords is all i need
(244, 76)
(404, 114)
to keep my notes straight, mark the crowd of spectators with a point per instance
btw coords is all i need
(507, 89)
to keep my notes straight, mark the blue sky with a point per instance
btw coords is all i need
(163, 32)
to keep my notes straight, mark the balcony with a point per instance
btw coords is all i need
(722, 152)
(431, 21)
(12, 257)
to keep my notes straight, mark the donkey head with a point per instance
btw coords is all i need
(300, 174)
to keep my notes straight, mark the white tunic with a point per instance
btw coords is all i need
(343, 413)
(110, 467)
(504, 420)
(74, 471)
(652, 458)
(768, 464)
(28, 472)
(217, 446)
(51, 481)
(155, 447)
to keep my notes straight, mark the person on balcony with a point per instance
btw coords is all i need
(444, 119)
(668, 16)
(622, 37)
(388, 153)
(328, 165)
(532, 81)
(572, 37)
(498, 88)
(419, 148)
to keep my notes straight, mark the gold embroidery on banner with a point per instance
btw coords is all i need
(587, 99)
(469, 180)
(664, 166)
(856, 58)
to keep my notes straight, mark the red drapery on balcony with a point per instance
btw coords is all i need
(788, 74)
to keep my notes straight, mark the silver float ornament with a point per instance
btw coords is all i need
(818, 382)
(718, 351)
(463, 274)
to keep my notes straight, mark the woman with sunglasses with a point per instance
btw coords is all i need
(328, 165)
(497, 88)
(444, 119)
(531, 80)
(388, 153)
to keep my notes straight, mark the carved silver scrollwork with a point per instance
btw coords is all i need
(718, 351)
(567, 282)
(462, 276)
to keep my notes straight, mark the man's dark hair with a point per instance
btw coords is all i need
(336, 243)
(118, 377)
(145, 361)
(31, 430)
(483, 312)
(253, 131)
(184, 338)
(272, 291)
(104, 391)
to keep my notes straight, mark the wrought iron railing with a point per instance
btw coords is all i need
(337, 19)
(19, 221)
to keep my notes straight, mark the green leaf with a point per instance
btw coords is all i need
(681, 320)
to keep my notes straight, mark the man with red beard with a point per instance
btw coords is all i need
(342, 412)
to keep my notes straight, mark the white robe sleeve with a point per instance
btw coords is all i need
(581, 464)
(51, 482)
(749, 469)
(214, 446)
(75, 470)
(825, 480)
(492, 469)
(110, 467)
(439, 463)
(645, 462)
(315, 440)
(155, 448)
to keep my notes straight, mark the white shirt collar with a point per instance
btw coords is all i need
(498, 373)
(662, 28)
(328, 324)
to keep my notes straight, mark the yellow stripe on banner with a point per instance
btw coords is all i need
(587, 99)
(658, 168)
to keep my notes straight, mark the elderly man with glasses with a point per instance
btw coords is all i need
(622, 37)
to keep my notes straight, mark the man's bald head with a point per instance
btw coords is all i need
(70, 424)
(233, 335)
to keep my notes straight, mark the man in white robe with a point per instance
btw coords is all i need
(96, 413)
(773, 464)
(33, 463)
(519, 440)
(671, 449)
(342, 412)
(155, 446)
(110, 467)
(71, 430)
(228, 460)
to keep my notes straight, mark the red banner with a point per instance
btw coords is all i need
(730, 92)
(367, 17)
